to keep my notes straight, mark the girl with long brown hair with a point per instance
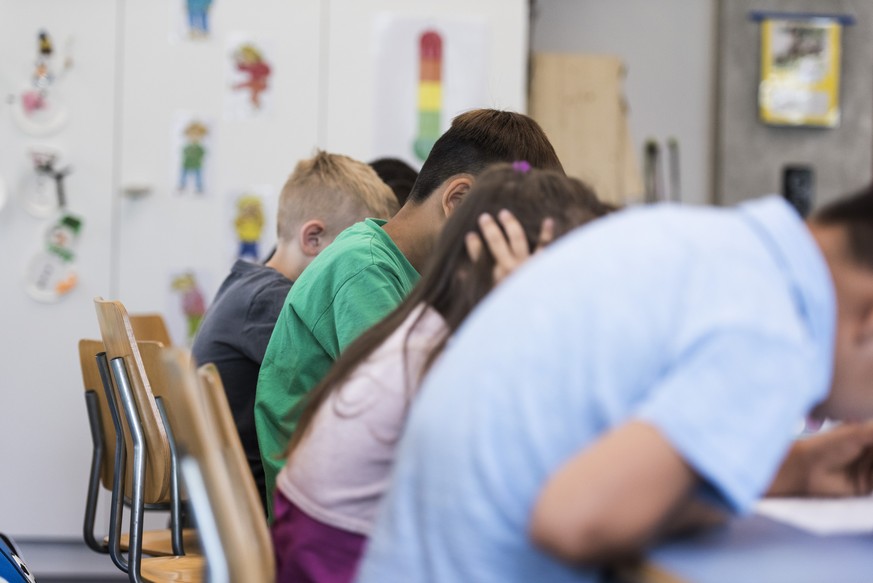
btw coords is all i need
(341, 454)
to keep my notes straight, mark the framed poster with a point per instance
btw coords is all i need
(800, 70)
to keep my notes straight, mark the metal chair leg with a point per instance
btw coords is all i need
(99, 442)
(134, 553)
(117, 507)
(176, 501)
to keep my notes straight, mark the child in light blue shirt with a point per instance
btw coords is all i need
(662, 352)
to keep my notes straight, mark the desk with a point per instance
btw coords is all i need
(758, 550)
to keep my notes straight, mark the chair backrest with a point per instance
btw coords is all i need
(150, 327)
(120, 342)
(88, 350)
(205, 432)
(245, 486)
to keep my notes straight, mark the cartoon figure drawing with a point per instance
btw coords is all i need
(36, 99)
(250, 60)
(52, 273)
(198, 17)
(249, 225)
(192, 155)
(193, 304)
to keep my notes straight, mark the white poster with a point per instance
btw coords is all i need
(428, 70)
(249, 74)
(250, 223)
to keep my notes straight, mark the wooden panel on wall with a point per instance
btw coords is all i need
(750, 154)
(578, 100)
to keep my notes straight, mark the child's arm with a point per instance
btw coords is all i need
(612, 498)
(836, 463)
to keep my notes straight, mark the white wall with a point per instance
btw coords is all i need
(669, 49)
(127, 83)
(43, 425)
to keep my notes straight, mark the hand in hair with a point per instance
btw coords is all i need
(509, 245)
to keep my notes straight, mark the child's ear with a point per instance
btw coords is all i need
(455, 191)
(312, 237)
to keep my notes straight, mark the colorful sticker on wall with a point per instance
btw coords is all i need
(51, 274)
(249, 74)
(38, 108)
(42, 189)
(252, 223)
(193, 137)
(191, 19)
(427, 71)
(800, 71)
(430, 100)
(188, 305)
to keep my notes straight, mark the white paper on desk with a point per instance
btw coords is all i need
(821, 515)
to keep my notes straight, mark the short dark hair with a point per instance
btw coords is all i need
(479, 138)
(397, 174)
(855, 214)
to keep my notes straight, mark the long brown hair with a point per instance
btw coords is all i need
(452, 284)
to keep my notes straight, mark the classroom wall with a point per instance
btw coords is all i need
(668, 47)
(751, 154)
(128, 81)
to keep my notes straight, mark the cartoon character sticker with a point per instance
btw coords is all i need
(192, 139)
(198, 18)
(38, 109)
(249, 73)
(42, 190)
(249, 224)
(52, 272)
(191, 302)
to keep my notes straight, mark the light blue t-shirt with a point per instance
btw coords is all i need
(716, 326)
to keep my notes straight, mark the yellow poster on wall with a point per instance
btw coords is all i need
(800, 72)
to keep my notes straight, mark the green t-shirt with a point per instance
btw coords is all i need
(355, 282)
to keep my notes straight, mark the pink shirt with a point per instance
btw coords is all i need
(339, 472)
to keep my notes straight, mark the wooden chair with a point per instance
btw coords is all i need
(150, 477)
(103, 463)
(227, 507)
(150, 327)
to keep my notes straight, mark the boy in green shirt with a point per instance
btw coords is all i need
(373, 265)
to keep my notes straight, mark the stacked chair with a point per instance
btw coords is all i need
(144, 474)
(154, 418)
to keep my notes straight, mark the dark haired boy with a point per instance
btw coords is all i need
(373, 265)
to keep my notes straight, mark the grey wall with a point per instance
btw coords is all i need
(752, 154)
(668, 47)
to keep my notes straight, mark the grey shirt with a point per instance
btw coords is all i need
(234, 336)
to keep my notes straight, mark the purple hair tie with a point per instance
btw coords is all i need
(521, 166)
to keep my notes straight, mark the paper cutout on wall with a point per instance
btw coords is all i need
(193, 139)
(42, 189)
(800, 71)
(190, 19)
(51, 273)
(249, 75)
(251, 223)
(188, 306)
(427, 71)
(39, 109)
(430, 100)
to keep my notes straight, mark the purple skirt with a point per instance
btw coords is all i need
(309, 551)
